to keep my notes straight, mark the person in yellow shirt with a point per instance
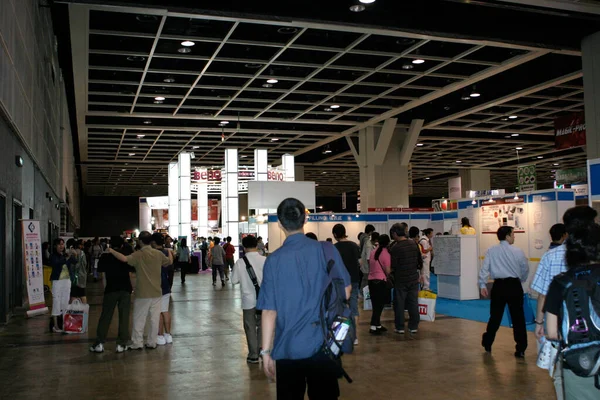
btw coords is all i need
(466, 229)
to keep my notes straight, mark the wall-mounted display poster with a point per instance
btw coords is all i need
(503, 212)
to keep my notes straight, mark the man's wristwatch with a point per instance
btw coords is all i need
(539, 323)
(265, 352)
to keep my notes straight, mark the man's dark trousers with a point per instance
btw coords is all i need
(507, 291)
(122, 300)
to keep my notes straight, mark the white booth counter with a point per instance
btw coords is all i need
(456, 265)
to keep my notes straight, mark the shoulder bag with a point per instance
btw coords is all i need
(253, 278)
(389, 279)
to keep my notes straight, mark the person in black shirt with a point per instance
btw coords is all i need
(350, 253)
(117, 293)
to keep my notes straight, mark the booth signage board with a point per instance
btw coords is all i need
(214, 176)
(503, 212)
(580, 190)
(572, 175)
(526, 178)
(400, 209)
(471, 194)
(455, 188)
(34, 269)
(569, 131)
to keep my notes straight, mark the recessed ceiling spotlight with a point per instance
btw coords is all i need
(327, 150)
(507, 137)
(420, 144)
(334, 106)
(512, 117)
(274, 139)
(185, 50)
(136, 58)
(357, 8)
(556, 164)
(147, 122)
(123, 170)
(169, 79)
(518, 148)
(243, 156)
(131, 154)
(160, 98)
(515, 135)
(540, 157)
(140, 136)
(428, 178)
(328, 109)
(195, 147)
(154, 183)
(458, 161)
(187, 43)
(367, 1)
(504, 119)
(253, 65)
(267, 85)
(407, 66)
(465, 96)
(224, 122)
(474, 92)
(324, 172)
(287, 30)
(418, 60)
(134, 147)
(158, 102)
(272, 80)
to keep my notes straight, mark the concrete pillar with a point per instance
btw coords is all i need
(232, 210)
(474, 179)
(299, 172)
(590, 49)
(383, 158)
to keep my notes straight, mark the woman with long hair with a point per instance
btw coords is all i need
(466, 228)
(61, 281)
(380, 264)
(184, 259)
(583, 262)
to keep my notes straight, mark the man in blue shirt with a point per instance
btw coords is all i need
(508, 267)
(291, 294)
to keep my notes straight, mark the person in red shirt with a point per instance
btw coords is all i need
(229, 251)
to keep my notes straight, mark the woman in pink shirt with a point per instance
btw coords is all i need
(379, 263)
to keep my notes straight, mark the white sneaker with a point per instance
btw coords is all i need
(356, 342)
(160, 340)
(99, 348)
(168, 338)
(121, 349)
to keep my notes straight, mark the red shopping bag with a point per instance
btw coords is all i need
(75, 317)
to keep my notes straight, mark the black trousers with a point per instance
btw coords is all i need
(507, 291)
(204, 265)
(378, 290)
(183, 266)
(318, 373)
(406, 297)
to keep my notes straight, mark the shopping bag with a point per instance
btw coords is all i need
(527, 308)
(547, 355)
(75, 317)
(427, 302)
(367, 305)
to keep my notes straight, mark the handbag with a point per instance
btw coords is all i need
(389, 279)
(75, 317)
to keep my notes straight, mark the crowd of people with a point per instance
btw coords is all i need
(282, 294)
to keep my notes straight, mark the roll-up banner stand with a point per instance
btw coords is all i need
(34, 268)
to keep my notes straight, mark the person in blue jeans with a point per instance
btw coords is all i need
(350, 253)
(294, 279)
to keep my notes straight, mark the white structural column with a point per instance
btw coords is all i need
(287, 162)
(145, 217)
(260, 174)
(174, 199)
(185, 196)
(474, 179)
(224, 225)
(383, 159)
(232, 199)
(203, 205)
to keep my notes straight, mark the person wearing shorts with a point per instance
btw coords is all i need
(351, 255)
(164, 324)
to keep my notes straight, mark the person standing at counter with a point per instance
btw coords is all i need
(427, 251)
(508, 267)
(466, 229)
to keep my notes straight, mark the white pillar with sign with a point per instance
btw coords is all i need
(173, 199)
(185, 197)
(261, 170)
(287, 163)
(232, 198)
(202, 203)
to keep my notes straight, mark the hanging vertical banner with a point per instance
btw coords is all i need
(569, 131)
(34, 270)
(526, 178)
(455, 188)
(344, 201)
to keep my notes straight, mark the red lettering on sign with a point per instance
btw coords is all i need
(423, 309)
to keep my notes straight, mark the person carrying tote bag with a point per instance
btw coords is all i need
(380, 282)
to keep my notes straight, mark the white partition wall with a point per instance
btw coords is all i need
(185, 196)
(174, 199)
(232, 199)
(289, 169)
(203, 205)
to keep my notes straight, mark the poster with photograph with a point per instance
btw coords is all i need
(34, 269)
(503, 212)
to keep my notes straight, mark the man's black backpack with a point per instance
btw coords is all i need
(580, 318)
(334, 305)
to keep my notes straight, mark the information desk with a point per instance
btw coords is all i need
(456, 265)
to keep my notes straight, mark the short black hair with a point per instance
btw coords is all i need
(330, 240)
(369, 229)
(577, 216)
(399, 229)
(557, 232)
(158, 239)
(291, 214)
(375, 236)
(583, 244)
(312, 236)
(116, 242)
(405, 225)
(339, 231)
(145, 237)
(250, 242)
(427, 231)
(413, 232)
(503, 232)
(217, 240)
(228, 238)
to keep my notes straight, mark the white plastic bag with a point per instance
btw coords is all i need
(427, 302)
(367, 305)
(75, 317)
(547, 355)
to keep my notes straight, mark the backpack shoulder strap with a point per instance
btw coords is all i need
(252, 275)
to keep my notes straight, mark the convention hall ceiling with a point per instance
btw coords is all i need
(150, 83)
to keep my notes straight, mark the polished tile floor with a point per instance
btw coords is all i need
(207, 359)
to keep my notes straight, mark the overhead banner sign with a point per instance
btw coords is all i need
(34, 268)
(569, 131)
(572, 175)
(526, 178)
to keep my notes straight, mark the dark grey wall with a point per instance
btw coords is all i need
(109, 215)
